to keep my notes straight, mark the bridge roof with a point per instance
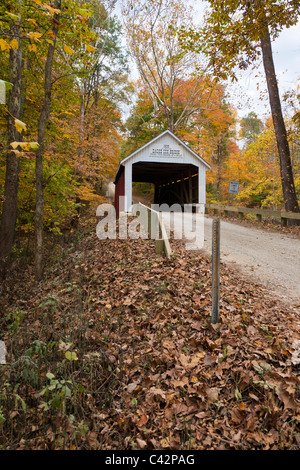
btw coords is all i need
(194, 157)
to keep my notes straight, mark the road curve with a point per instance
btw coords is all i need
(271, 258)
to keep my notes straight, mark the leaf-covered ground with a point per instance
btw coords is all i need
(115, 350)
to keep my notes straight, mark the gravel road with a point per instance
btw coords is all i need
(271, 258)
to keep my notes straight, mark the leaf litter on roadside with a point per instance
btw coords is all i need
(177, 381)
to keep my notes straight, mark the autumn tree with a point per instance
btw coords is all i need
(209, 132)
(251, 127)
(257, 169)
(98, 63)
(163, 68)
(292, 104)
(43, 118)
(237, 33)
(212, 134)
(23, 28)
(9, 210)
(144, 122)
(54, 10)
(45, 38)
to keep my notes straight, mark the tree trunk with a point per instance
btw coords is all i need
(79, 167)
(9, 211)
(286, 171)
(172, 125)
(219, 173)
(82, 122)
(44, 115)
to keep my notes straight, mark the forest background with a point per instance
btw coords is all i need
(108, 345)
(71, 111)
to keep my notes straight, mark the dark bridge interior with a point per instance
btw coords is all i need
(175, 183)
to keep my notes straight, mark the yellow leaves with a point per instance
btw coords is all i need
(14, 145)
(32, 48)
(25, 145)
(34, 145)
(90, 48)
(27, 149)
(84, 12)
(82, 19)
(28, 155)
(20, 126)
(69, 113)
(52, 10)
(31, 20)
(68, 50)
(14, 44)
(50, 34)
(71, 356)
(34, 36)
(18, 153)
(4, 46)
(12, 16)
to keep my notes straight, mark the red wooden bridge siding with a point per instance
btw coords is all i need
(120, 191)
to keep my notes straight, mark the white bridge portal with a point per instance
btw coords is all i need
(177, 172)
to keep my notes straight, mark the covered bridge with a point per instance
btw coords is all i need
(178, 173)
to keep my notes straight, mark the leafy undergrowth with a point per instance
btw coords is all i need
(115, 350)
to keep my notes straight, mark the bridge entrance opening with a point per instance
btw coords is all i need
(177, 173)
(174, 183)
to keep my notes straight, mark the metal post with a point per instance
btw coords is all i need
(215, 270)
(230, 213)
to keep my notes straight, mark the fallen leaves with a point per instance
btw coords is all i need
(178, 382)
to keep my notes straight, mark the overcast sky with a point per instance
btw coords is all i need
(286, 54)
(250, 94)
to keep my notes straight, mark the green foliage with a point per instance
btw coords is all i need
(89, 56)
(251, 127)
(142, 125)
(26, 370)
(56, 391)
(37, 348)
(2, 419)
(71, 356)
(14, 319)
(60, 192)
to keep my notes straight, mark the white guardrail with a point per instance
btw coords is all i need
(162, 244)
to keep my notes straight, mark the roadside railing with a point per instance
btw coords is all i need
(259, 213)
(156, 230)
